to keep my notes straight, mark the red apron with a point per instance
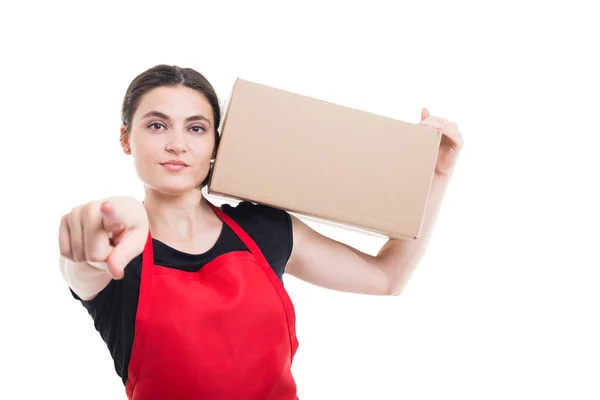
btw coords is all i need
(225, 332)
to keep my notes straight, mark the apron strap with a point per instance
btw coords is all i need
(244, 237)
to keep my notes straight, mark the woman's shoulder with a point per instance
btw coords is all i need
(269, 227)
(246, 212)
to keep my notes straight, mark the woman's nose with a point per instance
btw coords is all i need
(176, 144)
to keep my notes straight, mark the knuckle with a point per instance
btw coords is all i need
(74, 216)
(76, 210)
(90, 209)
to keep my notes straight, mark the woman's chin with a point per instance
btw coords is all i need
(173, 187)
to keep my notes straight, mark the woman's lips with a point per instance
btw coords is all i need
(174, 166)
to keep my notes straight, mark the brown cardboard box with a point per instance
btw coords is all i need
(325, 161)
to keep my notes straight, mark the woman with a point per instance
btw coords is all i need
(197, 308)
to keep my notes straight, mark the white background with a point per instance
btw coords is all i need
(504, 304)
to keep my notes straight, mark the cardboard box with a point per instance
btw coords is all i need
(326, 161)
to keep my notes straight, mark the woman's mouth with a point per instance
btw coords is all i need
(174, 165)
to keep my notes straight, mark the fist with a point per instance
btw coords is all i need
(112, 232)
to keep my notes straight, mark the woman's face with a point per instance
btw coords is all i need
(171, 139)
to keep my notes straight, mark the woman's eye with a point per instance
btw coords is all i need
(197, 129)
(156, 126)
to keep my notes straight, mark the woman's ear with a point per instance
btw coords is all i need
(125, 140)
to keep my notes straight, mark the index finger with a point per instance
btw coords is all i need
(110, 220)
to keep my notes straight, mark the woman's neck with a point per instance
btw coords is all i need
(179, 218)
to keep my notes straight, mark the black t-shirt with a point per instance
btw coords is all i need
(114, 308)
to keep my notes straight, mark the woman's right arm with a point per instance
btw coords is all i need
(97, 240)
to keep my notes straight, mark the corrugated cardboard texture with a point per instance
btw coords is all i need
(324, 160)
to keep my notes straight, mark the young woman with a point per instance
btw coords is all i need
(197, 308)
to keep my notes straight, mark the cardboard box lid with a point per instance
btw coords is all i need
(323, 160)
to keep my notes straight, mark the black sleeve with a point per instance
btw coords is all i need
(269, 227)
(100, 303)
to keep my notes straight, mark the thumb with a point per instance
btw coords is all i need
(110, 221)
(424, 114)
(129, 247)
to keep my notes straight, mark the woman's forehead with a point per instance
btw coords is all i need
(177, 102)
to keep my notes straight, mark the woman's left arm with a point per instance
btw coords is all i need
(325, 262)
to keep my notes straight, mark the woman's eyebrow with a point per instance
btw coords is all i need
(158, 114)
(198, 117)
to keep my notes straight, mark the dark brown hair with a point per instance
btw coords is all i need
(170, 75)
